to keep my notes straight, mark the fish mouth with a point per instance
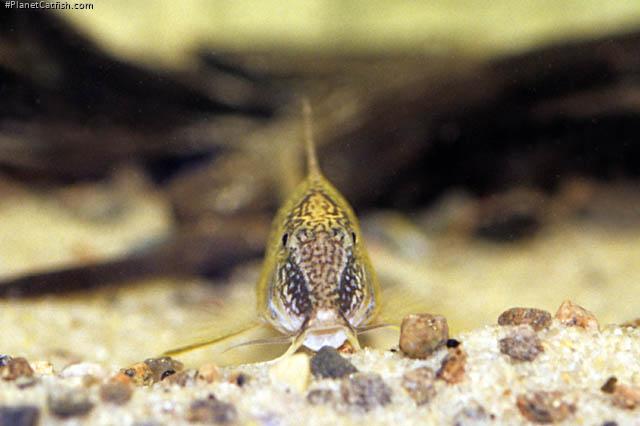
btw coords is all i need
(317, 338)
(327, 328)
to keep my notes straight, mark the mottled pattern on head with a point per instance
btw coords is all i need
(319, 264)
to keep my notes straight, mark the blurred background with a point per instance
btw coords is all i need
(490, 150)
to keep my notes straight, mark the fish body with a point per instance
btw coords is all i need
(317, 283)
(317, 287)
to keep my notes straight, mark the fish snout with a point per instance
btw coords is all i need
(326, 327)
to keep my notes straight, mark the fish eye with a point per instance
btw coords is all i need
(353, 236)
(285, 238)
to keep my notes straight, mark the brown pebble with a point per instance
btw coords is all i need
(152, 370)
(116, 391)
(544, 407)
(623, 396)
(422, 334)
(121, 377)
(69, 402)
(419, 384)
(212, 411)
(14, 368)
(208, 373)
(452, 367)
(538, 319)
(522, 344)
(139, 373)
(320, 396)
(365, 391)
(572, 315)
(610, 385)
(627, 397)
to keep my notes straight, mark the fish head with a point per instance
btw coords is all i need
(322, 284)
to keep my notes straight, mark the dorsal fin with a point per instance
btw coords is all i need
(313, 168)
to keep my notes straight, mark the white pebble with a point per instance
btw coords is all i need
(293, 371)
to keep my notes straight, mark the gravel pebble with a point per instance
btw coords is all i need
(623, 396)
(572, 315)
(152, 370)
(211, 410)
(83, 369)
(610, 385)
(365, 391)
(117, 390)
(163, 367)
(538, 319)
(544, 407)
(14, 368)
(69, 402)
(121, 377)
(422, 334)
(328, 363)
(627, 397)
(293, 371)
(23, 415)
(139, 373)
(522, 344)
(419, 384)
(453, 365)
